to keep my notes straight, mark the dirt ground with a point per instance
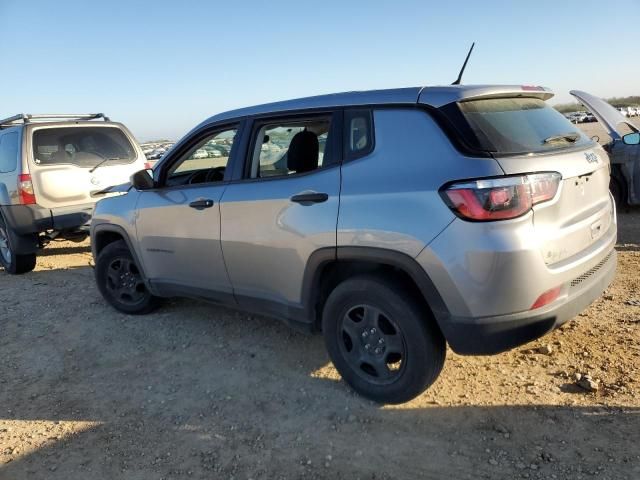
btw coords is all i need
(199, 391)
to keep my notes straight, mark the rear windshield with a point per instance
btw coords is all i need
(82, 146)
(520, 125)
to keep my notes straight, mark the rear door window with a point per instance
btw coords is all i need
(8, 152)
(82, 146)
(288, 147)
(519, 126)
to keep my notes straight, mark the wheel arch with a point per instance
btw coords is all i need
(105, 234)
(327, 267)
(22, 244)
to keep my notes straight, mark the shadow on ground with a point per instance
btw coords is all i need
(52, 250)
(198, 391)
(198, 439)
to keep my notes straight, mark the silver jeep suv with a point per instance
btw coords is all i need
(393, 221)
(53, 169)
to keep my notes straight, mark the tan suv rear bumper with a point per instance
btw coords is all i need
(29, 219)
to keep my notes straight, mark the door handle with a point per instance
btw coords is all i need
(201, 204)
(309, 198)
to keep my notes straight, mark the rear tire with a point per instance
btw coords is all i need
(381, 340)
(12, 262)
(120, 281)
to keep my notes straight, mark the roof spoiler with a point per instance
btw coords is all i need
(440, 96)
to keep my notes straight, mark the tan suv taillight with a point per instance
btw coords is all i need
(25, 189)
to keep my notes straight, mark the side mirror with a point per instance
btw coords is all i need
(143, 180)
(631, 138)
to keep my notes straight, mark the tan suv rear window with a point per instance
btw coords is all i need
(82, 146)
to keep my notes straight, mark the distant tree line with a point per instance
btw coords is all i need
(615, 101)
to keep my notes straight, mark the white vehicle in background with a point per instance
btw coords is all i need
(579, 117)
(200, 153)
(624, 111)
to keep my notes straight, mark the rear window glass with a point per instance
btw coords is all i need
(82, 146)
(520, 125)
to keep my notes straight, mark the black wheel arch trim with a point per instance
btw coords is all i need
(110, 228)
(322, 257)
(22, 244)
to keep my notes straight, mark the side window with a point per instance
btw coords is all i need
(289, 147)
(204, 162)
(8, 152)
(358, 133)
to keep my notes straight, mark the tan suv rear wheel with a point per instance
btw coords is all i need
(10, 260)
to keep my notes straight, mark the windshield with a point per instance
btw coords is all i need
(520, 125)
(82, 146)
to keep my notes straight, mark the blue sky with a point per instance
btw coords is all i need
(163, 66)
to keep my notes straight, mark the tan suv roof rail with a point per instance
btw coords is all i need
(23, 118)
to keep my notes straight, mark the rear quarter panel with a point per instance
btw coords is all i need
(389, 199)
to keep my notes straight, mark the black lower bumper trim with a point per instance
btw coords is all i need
(490, 335)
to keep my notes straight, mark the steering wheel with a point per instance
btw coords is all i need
(215, 174)
(204, 176)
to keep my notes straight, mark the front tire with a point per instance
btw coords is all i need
(12, 262)
(120, 281)
(381, 340)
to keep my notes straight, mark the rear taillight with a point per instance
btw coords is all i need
(500, 198)
(25, 189)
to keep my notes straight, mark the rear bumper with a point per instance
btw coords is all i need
(490, 335)
(29, 219)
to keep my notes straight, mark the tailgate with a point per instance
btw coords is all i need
(65, 185)
(70, 163)
(582, 212)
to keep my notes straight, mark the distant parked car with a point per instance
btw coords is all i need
(201, 153)
(579, 117)
(157, 154)
(588, 118)
(624, 151)
(624, 111)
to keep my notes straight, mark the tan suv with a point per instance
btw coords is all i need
(53, 169)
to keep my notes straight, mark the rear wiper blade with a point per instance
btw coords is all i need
(103, 162)
(569, 137)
